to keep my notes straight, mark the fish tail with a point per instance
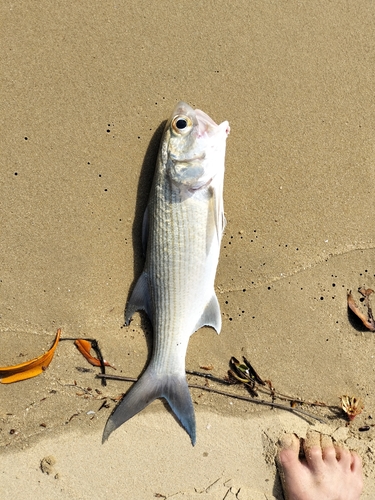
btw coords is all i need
(150, 386)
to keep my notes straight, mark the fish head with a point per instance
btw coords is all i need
(193, 147)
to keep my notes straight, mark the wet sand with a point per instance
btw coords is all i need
(85, 90)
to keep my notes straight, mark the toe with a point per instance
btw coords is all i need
(287, 460)
(288, 455)
(289, 441)
(312, 439)
(356, 463)
(289, 450)
(344, 457)
(329, 452)
(313, 451)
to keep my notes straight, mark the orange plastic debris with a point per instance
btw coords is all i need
(84, 347)
(29, 369)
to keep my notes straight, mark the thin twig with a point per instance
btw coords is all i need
(77, 338)
(209, 376)
(296, 411)
(76, 387)
(116, 377)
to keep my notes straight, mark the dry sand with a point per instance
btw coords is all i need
(85, 87)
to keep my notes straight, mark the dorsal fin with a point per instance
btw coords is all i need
(140, 299)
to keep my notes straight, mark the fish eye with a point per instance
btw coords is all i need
(181, 124)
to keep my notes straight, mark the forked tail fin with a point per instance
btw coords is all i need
(149, 387)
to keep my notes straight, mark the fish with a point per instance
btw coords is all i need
(181, 235)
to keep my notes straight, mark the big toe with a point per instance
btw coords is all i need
(287, 460)
(289, 448)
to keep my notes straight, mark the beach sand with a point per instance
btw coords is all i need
(86, 87)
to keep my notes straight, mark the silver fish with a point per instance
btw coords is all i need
(182, 231)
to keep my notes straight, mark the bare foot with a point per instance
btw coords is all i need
(324, 472)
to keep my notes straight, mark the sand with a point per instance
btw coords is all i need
(85, 89)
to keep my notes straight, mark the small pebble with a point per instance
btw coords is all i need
(364, 428)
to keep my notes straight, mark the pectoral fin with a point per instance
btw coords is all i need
(211, 315)
(140, 299)
(216, 220)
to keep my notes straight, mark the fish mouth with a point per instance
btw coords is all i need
(207, 127)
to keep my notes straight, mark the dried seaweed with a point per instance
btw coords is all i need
(368, 321)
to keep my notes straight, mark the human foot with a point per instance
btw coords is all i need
(320, 470)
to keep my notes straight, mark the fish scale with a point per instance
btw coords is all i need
(175, 243)
(183, 225)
